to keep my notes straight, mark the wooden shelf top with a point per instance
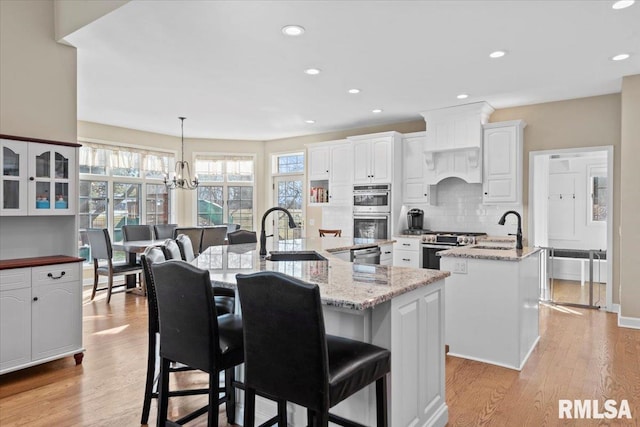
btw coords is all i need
(38, 261)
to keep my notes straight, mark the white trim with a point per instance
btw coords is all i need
(128, 145)
(615, 308)
(628, 322)
(493, 362)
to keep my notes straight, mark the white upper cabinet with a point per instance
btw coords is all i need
(373, 157)
(329, 172)
(37, 179)
(502, 161)
(415, 189)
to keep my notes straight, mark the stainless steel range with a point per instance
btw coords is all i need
(436, 241)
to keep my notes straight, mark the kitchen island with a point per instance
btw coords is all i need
(398, 308)
(492, 302)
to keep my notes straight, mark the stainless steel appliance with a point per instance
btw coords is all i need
(372, 198)
(369, 255)
(442, 240)
(415, 219)
(371, 226)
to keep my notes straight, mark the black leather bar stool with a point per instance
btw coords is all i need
(289, 356)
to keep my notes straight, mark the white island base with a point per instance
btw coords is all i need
(411, 325)
(492, 309)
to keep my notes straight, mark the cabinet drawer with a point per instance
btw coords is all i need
(55, 274)
(15, 278)
(406, 259)
(407, 244)
(386, 252)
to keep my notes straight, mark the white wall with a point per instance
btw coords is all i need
(460, 208)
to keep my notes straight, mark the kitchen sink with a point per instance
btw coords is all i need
(493, 248)
(295, 256)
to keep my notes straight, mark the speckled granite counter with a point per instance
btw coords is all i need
(342, 284)
(510, 254)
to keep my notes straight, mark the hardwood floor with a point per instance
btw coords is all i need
(572, 291)
(582, 354)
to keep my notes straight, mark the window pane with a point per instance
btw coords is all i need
(210, 205)
(240, 205)
(126, 207)
(290, 198)
(93, 160)
(240, 170)
(291, 163)
(92, 212)
(125, 163)
(599, 198)
(157, 204)
(156, 166)
(209, 170)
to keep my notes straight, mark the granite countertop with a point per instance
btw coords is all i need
(510, 254)
(342, 284)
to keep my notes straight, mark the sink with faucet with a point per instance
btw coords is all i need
(502, 220)
(263, 236)
(295, 256)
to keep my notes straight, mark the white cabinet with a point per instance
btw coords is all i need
(502, 162)
(374, 156)
(40, 315)
(37, 179)
(386, 254)
(406, 252)
(329, 171)
(415, 189)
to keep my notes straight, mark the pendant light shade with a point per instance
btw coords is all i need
(182, 175)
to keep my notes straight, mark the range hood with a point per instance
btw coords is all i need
(453, 146)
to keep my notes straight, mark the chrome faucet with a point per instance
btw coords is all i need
(263, 236)
(519, 232)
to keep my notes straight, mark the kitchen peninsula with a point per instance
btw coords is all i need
(401, 309)
(492, 302)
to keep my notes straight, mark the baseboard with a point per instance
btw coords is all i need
(628, 322)
(615, 308)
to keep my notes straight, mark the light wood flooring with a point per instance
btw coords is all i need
(582, 354)
(572, 291)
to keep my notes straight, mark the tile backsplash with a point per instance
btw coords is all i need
(459, 208)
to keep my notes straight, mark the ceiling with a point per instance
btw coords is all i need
(228, 68)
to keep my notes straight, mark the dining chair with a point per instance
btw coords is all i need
(103, 265)
(213, 236)
(306, 366)
(334, 233)
(171, 249)
(232, 227)
(137, 232)
(186, 247)
(194, 233)
(242, 236)
(193, 334)
(164, 231)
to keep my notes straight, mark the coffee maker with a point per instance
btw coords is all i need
(414, 219)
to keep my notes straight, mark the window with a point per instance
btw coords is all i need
(290, 163)
(598, 198)
(288, 186)
(114, 183)
(225, 193)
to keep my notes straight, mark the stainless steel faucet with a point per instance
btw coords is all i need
(519, 231)
(263, 236)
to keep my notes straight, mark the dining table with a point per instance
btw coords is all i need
(133, 248)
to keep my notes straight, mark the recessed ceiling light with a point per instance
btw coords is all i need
(310, 121)
(622, 4)
(292, 30)
(620, 57)
(462, 96)
(497, 54)
(354, 90)
(377, 110)
(312, 71)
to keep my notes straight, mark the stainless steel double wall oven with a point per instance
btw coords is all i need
(372, 211)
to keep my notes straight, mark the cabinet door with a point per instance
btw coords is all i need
(414, 186)
(15, 317)
(318, 163)
(361, 162)
(500, 165)
(56, 311)
(52, 178)
(13, 193)
(340, 176)
(381, 161)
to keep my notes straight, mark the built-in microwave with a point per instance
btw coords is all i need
(372, 198)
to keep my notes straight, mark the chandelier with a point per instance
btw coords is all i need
(182, 175)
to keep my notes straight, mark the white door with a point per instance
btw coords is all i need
(340, 182)
(15, 317)
(288, 194)
(13, 192)
(361, 162)
(381, 156)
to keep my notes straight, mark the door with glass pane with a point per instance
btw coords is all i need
(126, 207)
(92, 212)
(288, 193)
(51, 179)
(13, 193)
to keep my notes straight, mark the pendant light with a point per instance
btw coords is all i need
(182, 176)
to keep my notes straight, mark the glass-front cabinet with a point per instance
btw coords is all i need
(37, 179)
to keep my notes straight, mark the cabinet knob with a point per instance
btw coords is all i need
(31, 178)
(486, 194)
(425, 194)
(406, 259)
(327, 171)
(56, 277)
(35, 298)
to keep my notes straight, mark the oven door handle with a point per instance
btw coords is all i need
(384, 216)
(367, 193)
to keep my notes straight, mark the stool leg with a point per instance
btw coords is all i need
(230, 392)
(214, 386)
(148, 388)
(249, 407)
(381, 401)
(310, 418)
(163, 393)
(282, 413)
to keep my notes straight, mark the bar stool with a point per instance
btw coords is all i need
(289, 356)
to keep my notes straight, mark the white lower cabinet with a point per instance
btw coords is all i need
(386, 254)
(406, 252)
(40, 315)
